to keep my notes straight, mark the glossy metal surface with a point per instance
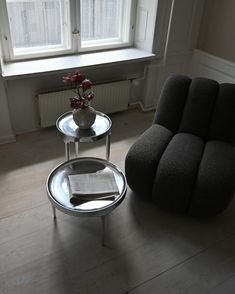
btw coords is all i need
(58, 191)
(101, 128)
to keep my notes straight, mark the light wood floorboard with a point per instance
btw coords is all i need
(147, 250)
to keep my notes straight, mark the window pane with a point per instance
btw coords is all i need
(101, 19)
(37, 23)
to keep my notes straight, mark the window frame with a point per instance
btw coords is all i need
(75, 44)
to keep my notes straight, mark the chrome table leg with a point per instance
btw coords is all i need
(108, 147)
(76, 148)
(67, 150)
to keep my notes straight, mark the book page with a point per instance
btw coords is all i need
(100, 184)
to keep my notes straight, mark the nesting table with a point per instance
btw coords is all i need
(72, 134)
(59, 195)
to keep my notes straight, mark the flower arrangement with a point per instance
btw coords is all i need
(82, 89)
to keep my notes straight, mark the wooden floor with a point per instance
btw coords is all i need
(148, 250)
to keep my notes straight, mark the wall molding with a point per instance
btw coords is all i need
(210, 66)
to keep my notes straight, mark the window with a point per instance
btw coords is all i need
(37, 26)
(104, 22)
(34, 28)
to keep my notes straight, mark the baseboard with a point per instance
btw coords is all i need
(213, 67)
(140, 105)
(7, 139)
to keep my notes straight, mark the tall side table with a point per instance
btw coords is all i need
(72, 134)
(59, 193)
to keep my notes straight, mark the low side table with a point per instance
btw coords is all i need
(58, 189)
(72, 134)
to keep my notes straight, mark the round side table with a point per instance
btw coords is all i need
(72, 134)
(59, 192)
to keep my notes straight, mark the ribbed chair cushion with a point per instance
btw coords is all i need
(199, 107)
(223, 120)
(186, 159)
(176, 173)
(143, 157)
(215, 182)
(172, 101)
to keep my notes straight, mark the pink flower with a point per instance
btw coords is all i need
(80, 104)
(86, 84)
(74, 102)
(75, 77)
(80, 84)
(78, 77)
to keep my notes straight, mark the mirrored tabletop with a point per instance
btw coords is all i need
(101, 128)
(59, 193)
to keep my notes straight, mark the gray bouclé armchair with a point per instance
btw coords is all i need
(185, 161)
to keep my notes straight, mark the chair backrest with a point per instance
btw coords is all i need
(198, 106)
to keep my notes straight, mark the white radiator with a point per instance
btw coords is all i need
(109, 97)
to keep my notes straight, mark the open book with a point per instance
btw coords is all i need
(92, 186)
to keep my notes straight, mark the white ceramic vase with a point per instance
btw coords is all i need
(85, 117)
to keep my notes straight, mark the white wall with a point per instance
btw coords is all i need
(217, 34)
(181, 41)
(215, 58)
(6, 133)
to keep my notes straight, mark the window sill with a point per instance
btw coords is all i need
(19, 69)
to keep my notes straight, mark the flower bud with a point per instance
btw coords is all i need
(86, 84)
